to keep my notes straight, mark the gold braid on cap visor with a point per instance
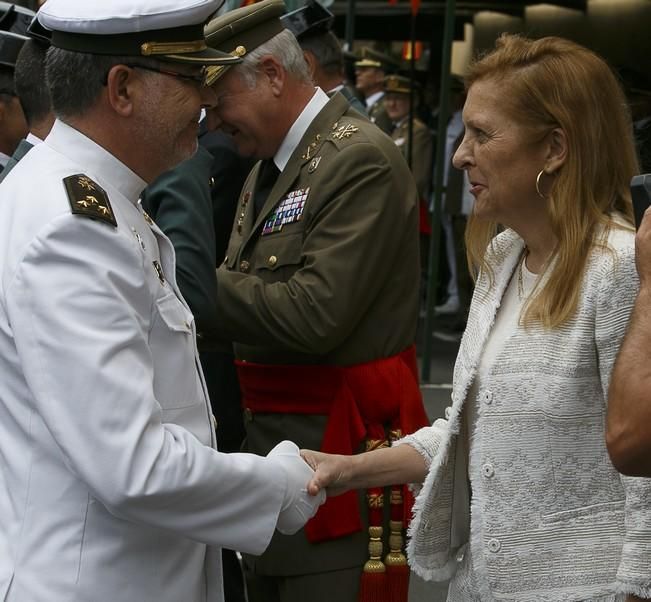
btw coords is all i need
(149, 48)
(213, 72)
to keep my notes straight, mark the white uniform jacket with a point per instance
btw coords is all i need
(111, 487)
(552, 519)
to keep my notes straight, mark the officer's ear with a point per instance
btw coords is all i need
(273, 73)
(311, 62)
(120, 83)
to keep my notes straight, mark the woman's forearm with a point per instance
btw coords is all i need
(377, 468)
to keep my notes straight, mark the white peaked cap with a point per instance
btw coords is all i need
(169, 30)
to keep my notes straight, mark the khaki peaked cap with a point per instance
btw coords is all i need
(397, 84)
(242, 30)
(373, 58)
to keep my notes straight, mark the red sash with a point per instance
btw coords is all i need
(359, 401)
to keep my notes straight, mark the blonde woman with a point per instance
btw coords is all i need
(519, 500)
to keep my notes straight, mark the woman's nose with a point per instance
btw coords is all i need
(461, 158)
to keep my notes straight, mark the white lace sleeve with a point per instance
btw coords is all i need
(426, 442)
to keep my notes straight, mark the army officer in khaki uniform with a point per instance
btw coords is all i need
(370, 72)
(396, 103)
(319, 291)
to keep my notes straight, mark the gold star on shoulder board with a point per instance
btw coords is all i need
(86, 183)
(95, 206)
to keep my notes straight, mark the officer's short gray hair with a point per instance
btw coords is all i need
(76, 79)
(285, 48)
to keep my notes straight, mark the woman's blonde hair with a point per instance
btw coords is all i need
(554, 83)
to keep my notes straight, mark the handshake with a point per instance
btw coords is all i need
(298, 506)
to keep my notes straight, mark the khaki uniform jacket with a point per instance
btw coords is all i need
(379, 116)
(339, 286)
(421, 152)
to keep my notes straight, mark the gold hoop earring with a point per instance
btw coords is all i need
(540, 173)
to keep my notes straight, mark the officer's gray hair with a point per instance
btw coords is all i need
(285, 48)
(76, 79)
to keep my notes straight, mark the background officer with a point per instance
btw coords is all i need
(113, 489)
(312, 27)
(370, 72)
(396, 104)
(31, 89)
(319, 290)
(13, 127)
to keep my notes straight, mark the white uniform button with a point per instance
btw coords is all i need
(487, 396)
(494, 545)
(488, 471)
(448, 411)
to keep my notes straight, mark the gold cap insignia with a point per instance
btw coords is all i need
(89, 199)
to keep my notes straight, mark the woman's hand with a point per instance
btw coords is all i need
(378, 468)
(331, 472)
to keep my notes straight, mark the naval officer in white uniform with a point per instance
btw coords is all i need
(111, 486)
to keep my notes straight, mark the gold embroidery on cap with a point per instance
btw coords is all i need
(149, 48)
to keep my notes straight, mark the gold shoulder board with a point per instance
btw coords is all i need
(89, 199)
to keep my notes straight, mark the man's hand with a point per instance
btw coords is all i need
(331, 472)
(298, 507)
(643, 250)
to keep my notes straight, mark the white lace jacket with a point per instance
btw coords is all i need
(557, 522)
